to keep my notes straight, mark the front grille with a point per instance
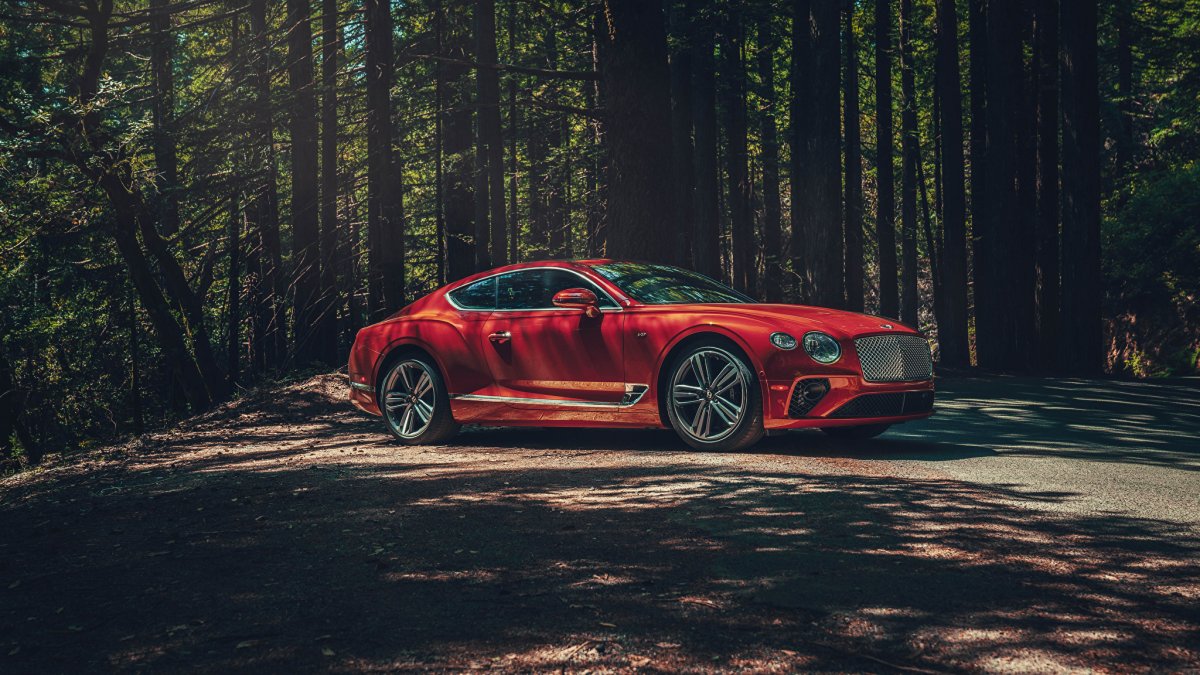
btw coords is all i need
(886, 405)
(894, 358)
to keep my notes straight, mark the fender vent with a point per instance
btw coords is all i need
(806, 395)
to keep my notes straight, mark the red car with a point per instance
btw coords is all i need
(605, 343)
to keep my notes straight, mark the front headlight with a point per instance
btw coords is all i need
(822, 347)
(783, 341)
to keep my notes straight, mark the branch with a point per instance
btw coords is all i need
(590, 113)
(510, 68)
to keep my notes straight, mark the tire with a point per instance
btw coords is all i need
(420, 410)
(860, 433)
(712, 398)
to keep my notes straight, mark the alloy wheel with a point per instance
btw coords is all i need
(709, 394)
(409, 398)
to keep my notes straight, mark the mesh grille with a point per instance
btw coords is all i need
(886, 405)
(806, 395)
(894, 358)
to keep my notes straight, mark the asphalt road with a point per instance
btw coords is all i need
(1029, 526)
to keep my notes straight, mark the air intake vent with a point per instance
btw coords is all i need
(886, 405)
(894, 358)
(806, 395)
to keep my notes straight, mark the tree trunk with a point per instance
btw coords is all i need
(705, 231)
(1046, 73)
(885, 216)
(385, 215)
(327, 344)
(1081, 349)
(952, 329)
(271, 313)
(166, 180)
(816, 173)
(514, 130)
(1123, 18)
(683, 158)
(457, 190)
(909, 299)
(233, 318)
(554, 216)
(982, 282)
(302, 126)
(743, 240)
(854, 198)
(772, 209)
(637, 87)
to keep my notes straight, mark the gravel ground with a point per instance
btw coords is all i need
(1032, 525)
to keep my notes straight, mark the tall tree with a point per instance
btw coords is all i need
(743, 241)
(302, 126)
(816, 141)
(771, 225)
(977, 73)
(706, 253)
(854, 195)
(1123, 20)
(683, 153)
(637, 86)
(1046, 75)
(456, 111)
(385, 208)
(885, 213)
(331, 39)
(270, 322)
(234, 293)
(490, 138)
(1081, 348)
(162, 65)
(910, 157)
(952, 326)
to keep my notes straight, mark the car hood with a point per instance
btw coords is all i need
(801, 318)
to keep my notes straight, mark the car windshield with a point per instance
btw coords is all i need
(666, 285)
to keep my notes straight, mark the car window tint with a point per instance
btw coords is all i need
(535, 289)
(479, 295)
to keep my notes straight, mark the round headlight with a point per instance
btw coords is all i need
(783, 341)
(821, 347)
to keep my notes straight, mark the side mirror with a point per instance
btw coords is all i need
(580, 298)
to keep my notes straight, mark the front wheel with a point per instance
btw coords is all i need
(860, 433)
(712, 399)
(415, 405)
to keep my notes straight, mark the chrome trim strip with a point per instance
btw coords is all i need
(577, 273)
(633, 394)
(362, 386)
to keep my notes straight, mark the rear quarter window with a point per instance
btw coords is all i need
(479, 295)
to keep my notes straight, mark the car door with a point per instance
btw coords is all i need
(551, 358)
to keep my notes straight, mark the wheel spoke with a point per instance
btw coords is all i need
(698, 418)
(700, 368)
(394, 400)
(729, 385)
(728, 374)
(406, 421)
(424, 410)
(726, 410)
(686, 394)
(424, 384)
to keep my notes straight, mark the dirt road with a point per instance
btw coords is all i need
(1030, 526)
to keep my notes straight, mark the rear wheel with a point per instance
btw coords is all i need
(861, 433)
(415, 405)
(712, 399)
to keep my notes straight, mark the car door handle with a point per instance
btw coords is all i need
(500, 336)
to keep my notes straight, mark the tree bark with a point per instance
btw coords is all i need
(1081, 349)
(327, 333)
(1046, 73)
(457, 189)
(816, 172)
(233, 317)
(705, 232)
(683, 158)
(385, 214)
(773, 254)
(270, 324)
(637, 87)
(743, 241)
(1123, 18)
(952, 329)
(166, 161)
(885, 217)
(854, 195)
(980, 270)
(909, 299)
(302, 126)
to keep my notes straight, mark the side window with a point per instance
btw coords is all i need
(479, 295)
(535, 289)
(558, 280)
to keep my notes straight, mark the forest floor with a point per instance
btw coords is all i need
(1032, 525)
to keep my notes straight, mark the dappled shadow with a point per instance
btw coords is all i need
(419, 561)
